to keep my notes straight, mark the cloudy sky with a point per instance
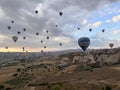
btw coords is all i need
(83, 14)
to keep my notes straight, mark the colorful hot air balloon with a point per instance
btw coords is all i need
(111, 45)
(15, 38)
(84, 42)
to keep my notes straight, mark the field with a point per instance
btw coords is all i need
(44, 75)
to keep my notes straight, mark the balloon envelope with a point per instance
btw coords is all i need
(15, 38)
(60, 13)
(36, 11)
(111, 45)
(60, 44)
(90, 29)
(84, 42)
(103, 30)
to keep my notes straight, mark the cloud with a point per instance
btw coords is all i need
(84, 21)
(115, 32)
(76, 13)
(116, 18)
(96, 24)
(108, 21)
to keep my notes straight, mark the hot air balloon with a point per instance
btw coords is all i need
(24, 37)
(23, 49)
(44, 46)
(37, 33)
(41, 41)
(36, 11)
(56, 25)
(6, 47)
(15, 38)
(103, 30)
(60, 13)
(24, 29)
(47, 37)
(42, 51)
(9, 27)
(111, 45)
(12, 21)
(78, 28)
(60, 44)
(84, 42)
(46, 31)
(90, 29)
(18, 32)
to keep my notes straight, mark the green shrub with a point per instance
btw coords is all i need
(108, 87)
(2, 87)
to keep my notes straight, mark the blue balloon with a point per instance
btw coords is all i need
(84, 42)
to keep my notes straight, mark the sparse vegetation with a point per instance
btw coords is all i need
(2, 87)
(108, 87)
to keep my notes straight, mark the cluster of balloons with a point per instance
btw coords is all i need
(15, 37)
(83, 42)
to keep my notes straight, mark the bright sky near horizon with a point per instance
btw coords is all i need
(83, 14)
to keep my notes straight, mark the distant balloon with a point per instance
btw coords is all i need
(103, 30)
(24, 29)
(6, 47)
(78, 28)
(60, 13)
(15, 38)
(12, 21)
(60, 44)
(37, 33)
(42, 51)
(56, 25)
(90, 29)
(23, 48)
(44, 46)
(47, 37)
(84, 42)
(18, 32)
(46, 31)
(36, 11)
(111, 45)
(24, 37)
(41, 41)
(9, 27)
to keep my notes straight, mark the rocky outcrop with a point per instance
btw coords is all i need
(104, 57)
(87, 58)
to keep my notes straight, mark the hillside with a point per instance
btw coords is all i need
(93, 70)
